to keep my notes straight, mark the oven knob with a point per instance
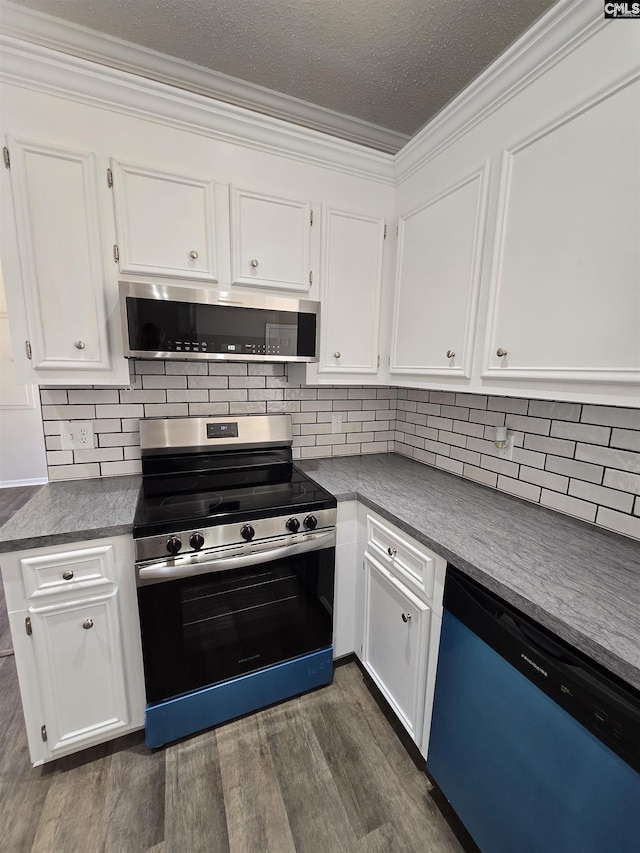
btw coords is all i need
(247, 532)
(174, 543)
(293, 525)
(196, 541)
(311, 522)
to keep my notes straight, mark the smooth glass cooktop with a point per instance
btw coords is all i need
(162, 513)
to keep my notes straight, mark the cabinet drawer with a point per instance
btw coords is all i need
(68, 571)
(415, 565)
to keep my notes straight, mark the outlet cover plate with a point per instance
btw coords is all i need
(77, 435)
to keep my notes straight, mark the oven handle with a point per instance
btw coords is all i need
(165, 572)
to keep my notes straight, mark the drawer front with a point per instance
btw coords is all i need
(68, 572)
(415, 565)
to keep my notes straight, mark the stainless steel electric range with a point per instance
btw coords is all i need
(235, 555)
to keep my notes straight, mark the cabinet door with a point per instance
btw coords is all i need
(165, 222)
(351, 283)
(58, 228)
(396, 629)
(565, 299)
(438, 280)
(270, 241)
(81, 670)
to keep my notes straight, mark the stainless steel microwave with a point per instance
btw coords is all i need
(172, 321)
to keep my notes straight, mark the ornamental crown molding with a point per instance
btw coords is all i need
(67, 37)
(559, 32)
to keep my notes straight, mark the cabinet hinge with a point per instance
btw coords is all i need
(43, 733)
(27, 626)
(311, 217)
(6, 157)
(385, 231)
(378, 359)
(27, 346)
(310, 277)
(116, 253)
(109, 178)
(397, 230)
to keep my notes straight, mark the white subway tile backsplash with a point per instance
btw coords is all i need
(601, 495)
(626, 438)
(572, 506)
(572, 468)
(581, 432)
(556, 446)
(625, 524)
(623, 480)
(578, 459)
(527, 491)
(537, 426)
(609, 416)
(609, 456)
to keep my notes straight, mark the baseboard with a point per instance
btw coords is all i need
(13, 484)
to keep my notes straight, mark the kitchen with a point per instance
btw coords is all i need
(393, 386)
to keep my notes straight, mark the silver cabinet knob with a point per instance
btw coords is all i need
(391, 552)
(406, 617)
(254, 263)
(337, 354)
(68, 575)
(193, 255)
(501, 352)
(451, 353)
(80, 344)
(88, 623)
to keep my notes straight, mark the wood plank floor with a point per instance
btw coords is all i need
(323, 773)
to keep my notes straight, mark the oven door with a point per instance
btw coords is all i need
(202, 629)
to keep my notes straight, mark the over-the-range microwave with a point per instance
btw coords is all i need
(172, 321)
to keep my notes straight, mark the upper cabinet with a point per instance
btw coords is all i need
(438, 278)
(166, 223)
(565, 282)
(270, 241)
(351, 283)
(58, 287)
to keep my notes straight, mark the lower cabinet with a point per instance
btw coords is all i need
(74, 623)
(394, 648)
(403, 584)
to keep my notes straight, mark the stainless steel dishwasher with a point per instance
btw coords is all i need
(536, 748)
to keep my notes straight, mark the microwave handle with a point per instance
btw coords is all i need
(168, 570)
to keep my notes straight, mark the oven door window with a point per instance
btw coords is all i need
(209, 628)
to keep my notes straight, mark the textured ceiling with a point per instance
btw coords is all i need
(393, 64)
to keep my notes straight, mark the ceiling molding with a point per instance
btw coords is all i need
(64, 36)
(559, 32)
(40, 69)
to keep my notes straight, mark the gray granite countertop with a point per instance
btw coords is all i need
(579, 581)
(71, 511)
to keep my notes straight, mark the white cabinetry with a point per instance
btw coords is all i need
(270, 241)
(351, 284)
(62, 296)
(74, 622)
(565, 286)
(438, 280)
(403, 587)
(166, 222)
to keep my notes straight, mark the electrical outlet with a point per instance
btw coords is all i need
(336, 422)
(77, 435)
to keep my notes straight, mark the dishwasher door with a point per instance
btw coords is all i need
(507, 749)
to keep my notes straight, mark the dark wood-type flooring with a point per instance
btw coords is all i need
(324, 772)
